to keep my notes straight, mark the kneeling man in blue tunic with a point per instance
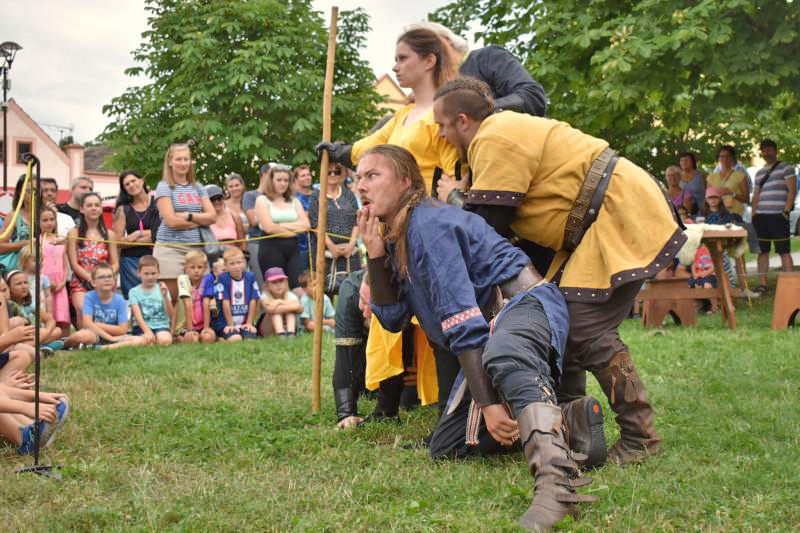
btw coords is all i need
(452, 271)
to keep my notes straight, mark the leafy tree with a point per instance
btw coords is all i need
(243, 80)
(656, 77)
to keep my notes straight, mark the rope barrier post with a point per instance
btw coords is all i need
(319, 285)
(35, 209)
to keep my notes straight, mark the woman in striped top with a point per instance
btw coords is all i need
(184, 207)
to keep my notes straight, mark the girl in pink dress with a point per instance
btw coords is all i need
(54, 266)
(88, 245)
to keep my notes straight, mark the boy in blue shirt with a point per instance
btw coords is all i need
(237, 294)
(105, 315)
(151, 305)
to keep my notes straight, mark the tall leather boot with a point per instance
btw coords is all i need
(583, 428)
(555, 473)
(345, 403)
(626, 394)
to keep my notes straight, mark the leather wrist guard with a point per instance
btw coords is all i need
(480, 386)
(344, 155)
(382, 291)
(456, 197)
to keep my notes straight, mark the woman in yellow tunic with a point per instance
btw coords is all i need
(553, 180)
(422, 65)
(733, 182)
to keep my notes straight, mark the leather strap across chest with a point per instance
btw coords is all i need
(590, 198)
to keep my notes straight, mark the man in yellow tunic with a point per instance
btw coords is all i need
(607, 219)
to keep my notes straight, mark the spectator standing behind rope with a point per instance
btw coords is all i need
(183, 206)
(773, 199)
(77, 189)
(693, 181)
(342, 212)
(228, 226)
(136, 220)
(678, 196)
(253, 231)
(235, 187)
(20, 236)
(301, 187)
(732, 182)
(87, 247)
(279, 213)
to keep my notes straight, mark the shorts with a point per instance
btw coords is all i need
(138, 331)
(772, 227)
(699, 282)
(79, 285)
(4, 359)
(171, 258)
(244, 334)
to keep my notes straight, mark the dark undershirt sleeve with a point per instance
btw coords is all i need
(499, 217)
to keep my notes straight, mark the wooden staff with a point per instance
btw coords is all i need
(319, 286)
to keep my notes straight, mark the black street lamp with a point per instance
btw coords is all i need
(8, 50)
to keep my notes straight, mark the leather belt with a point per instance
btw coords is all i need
(527, 278)
(590, 198)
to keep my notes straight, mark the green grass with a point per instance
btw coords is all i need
(208, 438)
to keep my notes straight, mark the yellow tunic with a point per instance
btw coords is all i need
(538, 165)
(420, 138)
(736, 182)
(385, 360)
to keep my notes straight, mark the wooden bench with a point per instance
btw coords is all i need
(672, 296)
(787, 300)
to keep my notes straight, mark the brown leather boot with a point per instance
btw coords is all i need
(583, 429)
(637, 436)
(555, 473)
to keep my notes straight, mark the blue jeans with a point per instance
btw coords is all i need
(128, 274)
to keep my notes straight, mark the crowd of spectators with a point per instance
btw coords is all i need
(730, 196)
(174, 265)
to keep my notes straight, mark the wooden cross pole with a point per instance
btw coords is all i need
(319, 285)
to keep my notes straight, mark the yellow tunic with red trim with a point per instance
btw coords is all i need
(538, 165)
(385, 360)
(420, 138)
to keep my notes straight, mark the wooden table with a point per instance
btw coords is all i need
(673, 295)
(717, 241)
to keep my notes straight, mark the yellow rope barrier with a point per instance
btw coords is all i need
(12, 223)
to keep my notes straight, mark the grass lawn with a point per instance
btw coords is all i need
(208, 438)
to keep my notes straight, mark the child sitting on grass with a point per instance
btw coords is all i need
(309, 306)
(17, 412)
(16, 338)
(22, 305)
(281, 306)
(191, 286)
(237, 294)
(151, 305)
(27, 263)
(105, 315)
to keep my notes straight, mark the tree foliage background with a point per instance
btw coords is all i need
(656, 77)
(244, 80)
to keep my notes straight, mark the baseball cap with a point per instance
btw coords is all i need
(274, 274)
(214, 190)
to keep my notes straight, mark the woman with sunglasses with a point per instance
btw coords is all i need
(228, 226)
(281, 217)
(341, 240)
(136, 221)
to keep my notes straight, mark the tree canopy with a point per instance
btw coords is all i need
(244, 81)
(656, 77)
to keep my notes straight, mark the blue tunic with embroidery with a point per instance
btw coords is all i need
(455, 259)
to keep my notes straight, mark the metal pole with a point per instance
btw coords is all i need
(5, 128)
